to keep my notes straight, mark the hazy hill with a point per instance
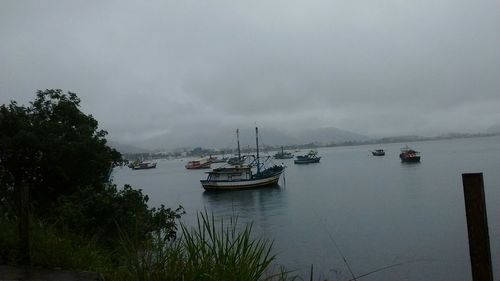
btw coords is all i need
(495, 129)
(226, 137)
(401, 139)
(328, 135)
(126, 148)
(216, 139)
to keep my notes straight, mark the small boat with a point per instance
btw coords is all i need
(214, 159)
(283, 155)
(378, 152)
(409, 155)
(142, 165)
(198, 164)
(311, 157)
(242, 177)
(236, 161)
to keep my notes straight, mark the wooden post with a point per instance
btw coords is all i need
(24, 224)
(477, 227)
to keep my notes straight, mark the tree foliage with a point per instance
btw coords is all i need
(53, 147)
(112, 212)
(61, 155)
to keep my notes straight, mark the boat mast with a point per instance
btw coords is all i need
(257, 142)
(238, 140)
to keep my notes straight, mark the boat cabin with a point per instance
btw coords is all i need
(230, 174)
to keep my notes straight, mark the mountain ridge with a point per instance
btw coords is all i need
(226, 138)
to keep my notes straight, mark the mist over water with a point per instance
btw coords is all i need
(379, 211)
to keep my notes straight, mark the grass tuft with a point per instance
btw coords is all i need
(211, 250)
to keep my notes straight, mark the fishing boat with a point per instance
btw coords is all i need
(243, 176)
(409, 155)
(310, 157)
(198, 164)
(142, 165)
(378, 152)
(283, 154)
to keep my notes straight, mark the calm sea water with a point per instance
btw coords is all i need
(378, 211)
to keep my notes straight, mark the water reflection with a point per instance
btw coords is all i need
(249, 205)
(258, 199)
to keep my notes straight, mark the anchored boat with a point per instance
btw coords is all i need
(214, 159)
(236, 161)
(311, 157)
(198, 164)
(378, 152)
(242, 176)
(283, 154)
(142, 165)
(409, 155)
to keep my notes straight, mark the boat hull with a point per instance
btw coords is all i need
(283, 157)
(197, 167)
(308, 161)
(378, 153)
(241, 184)
(415, 159)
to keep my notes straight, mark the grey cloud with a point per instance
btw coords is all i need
(146, 69)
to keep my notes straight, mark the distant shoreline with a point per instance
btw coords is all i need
(202, 152)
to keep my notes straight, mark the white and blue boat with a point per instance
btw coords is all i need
(243, 176)
(311, 157)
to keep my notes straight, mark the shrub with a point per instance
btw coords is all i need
(103, 214)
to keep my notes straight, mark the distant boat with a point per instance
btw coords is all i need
(142, 165)
(409, 155)
(236, 160)
(311, 157)
(241, 177)
(378, 152)
(283, 155)
(213, 159)
(198, 164)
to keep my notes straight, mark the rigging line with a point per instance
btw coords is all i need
(355, 278)
(342, 255)
(387, 267)
(380, 269)
(264, 148)
(338, 249)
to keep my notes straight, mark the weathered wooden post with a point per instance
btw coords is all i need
(24, 224)
(477, 227)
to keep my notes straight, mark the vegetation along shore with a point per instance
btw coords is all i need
(58, 209)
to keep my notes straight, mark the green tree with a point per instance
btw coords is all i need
(112, 213)
(56, 150)
(53, 147)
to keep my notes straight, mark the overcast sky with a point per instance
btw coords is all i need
(145, 68)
